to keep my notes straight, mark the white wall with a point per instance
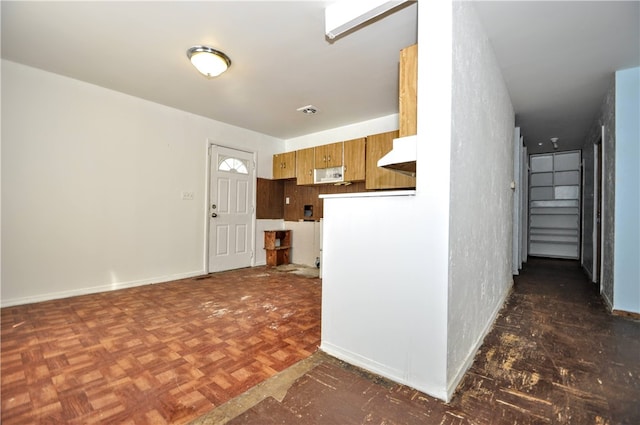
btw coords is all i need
(380, 310)
(92, 182)
(347, 132)
(480, 238)
(626, 289)
(305, 241)
(385, 258)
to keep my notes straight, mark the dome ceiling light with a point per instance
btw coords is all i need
(208, 61)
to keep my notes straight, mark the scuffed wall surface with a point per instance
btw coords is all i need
(608, 119)
(481, 198)
(609, 192)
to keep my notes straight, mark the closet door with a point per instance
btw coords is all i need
(554, 205)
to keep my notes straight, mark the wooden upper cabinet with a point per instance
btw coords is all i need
(354, 159)
(327, 156)
(377, 146)
(284, 165)
(305, 165)
(408, 91)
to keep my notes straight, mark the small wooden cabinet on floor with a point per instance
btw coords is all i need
(277, 243)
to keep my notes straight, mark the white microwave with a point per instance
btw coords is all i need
(328, 175)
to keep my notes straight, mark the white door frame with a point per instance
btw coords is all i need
(595, 269)
(524, 191)
(601, 191)
(516, 246)
(207, 197)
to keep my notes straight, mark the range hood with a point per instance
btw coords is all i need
(402, 157)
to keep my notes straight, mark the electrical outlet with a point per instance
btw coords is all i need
(286, 200)
(187, 196)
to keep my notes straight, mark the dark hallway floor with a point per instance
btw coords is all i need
(554, 356)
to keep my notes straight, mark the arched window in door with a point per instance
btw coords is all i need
(233, 165)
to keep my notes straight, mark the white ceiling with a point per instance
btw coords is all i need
(281, 59)
(556, 57)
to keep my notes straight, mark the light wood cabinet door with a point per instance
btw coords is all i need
(304, 166)
(408, 91)
(284, 165)
(354, 160)
(377, 146)
(327, 156)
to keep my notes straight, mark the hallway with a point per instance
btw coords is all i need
(554, 355)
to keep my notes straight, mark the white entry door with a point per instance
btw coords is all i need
(231, 209)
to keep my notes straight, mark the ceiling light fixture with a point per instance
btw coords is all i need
(208, 61)
(554, 142)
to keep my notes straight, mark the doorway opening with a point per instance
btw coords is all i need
(554, 205)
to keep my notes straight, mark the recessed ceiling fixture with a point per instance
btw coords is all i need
(208, 61)
(554, 142)
(308, 110)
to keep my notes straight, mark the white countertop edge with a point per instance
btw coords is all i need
(377, 194)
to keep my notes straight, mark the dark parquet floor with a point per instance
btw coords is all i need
(154, 354)
(555, 355)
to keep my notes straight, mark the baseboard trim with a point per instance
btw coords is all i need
(624, 313)
(361, 361)
(378, 369)
(453, 383)
(606, 300)
(96, 289)
(587, 272)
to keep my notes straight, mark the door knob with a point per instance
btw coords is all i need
(214, 215)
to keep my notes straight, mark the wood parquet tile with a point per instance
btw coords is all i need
(555, 355)
(154, 354)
